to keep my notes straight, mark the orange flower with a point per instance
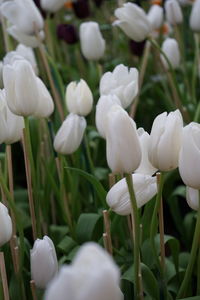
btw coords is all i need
(157, 2)
(68, 5)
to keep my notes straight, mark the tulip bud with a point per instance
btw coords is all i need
(171, 49)
(1, 74)
(93, 271)
(133, 21)
(25, 39)
(137, 48)
(44, 264)
(81, 8)
(155, 16)
(24, 15)
(122, 143)
(189, 157)
(122, 82)
(192, 198)
(118, 197)
(165, 140)
(10, 124)
(92, 42)
(70, 134)
(173, 12)
(194, 16)
(52, 5)
(5, 225)
(79, 98)
(68, 33)
(145, 166)
(102, 109)
(26, 94)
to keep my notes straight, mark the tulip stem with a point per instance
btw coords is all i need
(193, 253)
(33, 290)
(137, 280)
(4, 277)
(107, 231)
(161, 227)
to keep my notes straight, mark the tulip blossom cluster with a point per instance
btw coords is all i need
(79, 101)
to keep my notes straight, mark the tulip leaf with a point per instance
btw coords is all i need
(66, 245)
(149, 281)
(191, 298)
(89, 227)
(95, 183)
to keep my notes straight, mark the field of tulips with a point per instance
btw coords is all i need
(99, 149)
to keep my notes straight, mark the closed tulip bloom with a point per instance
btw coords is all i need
(171, 49)
(81, 8)
(102, 109)
(173, 12)
(44, 264)
(118, 197)
(11, 125)
(192, 198)
(145, 166)
(26, 94)
(70, 134)
(28, 54)
(122, 82)
(52, 5)
(5, 225)
(79, 98)
(1, 74)
(23, 14)
(93, 271)
(122, 142)
(155, 16)
(194, 16)
(92, 42)
(189, 157)
(165, 141)
(133, 21)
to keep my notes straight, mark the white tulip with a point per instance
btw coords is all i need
(70, 134)
(93, 271)
(5, 225)
(155, 16)
(26, 94)
(52, 5)
(44, 264)
(28, 54)
(102, 109)
(25, 39)
(79, 98)
(173, 12)
(24, 14)
(122, 82)
(92, 42)
(1, 74)
(11, 126)
(118, 197)
(165, 140)
(145, 166)
(123, 149)
(189, 158)
(133, 21)
(171, 49)
(194, 16)
(192, 197)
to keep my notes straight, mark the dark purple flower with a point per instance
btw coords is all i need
(98, 2)
(137, 48)
(68, 33)
(81, 8)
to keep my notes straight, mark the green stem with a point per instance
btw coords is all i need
(138, 293)
(88, 153)
(195, 244)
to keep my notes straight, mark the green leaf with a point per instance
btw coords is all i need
(95, 183)
(66, 245)
(191, 298)
(149, 281)
(89, 227)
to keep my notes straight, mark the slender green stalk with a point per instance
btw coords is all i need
(193, 253)
(198, 273)
(137, 286)
(88, 153)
